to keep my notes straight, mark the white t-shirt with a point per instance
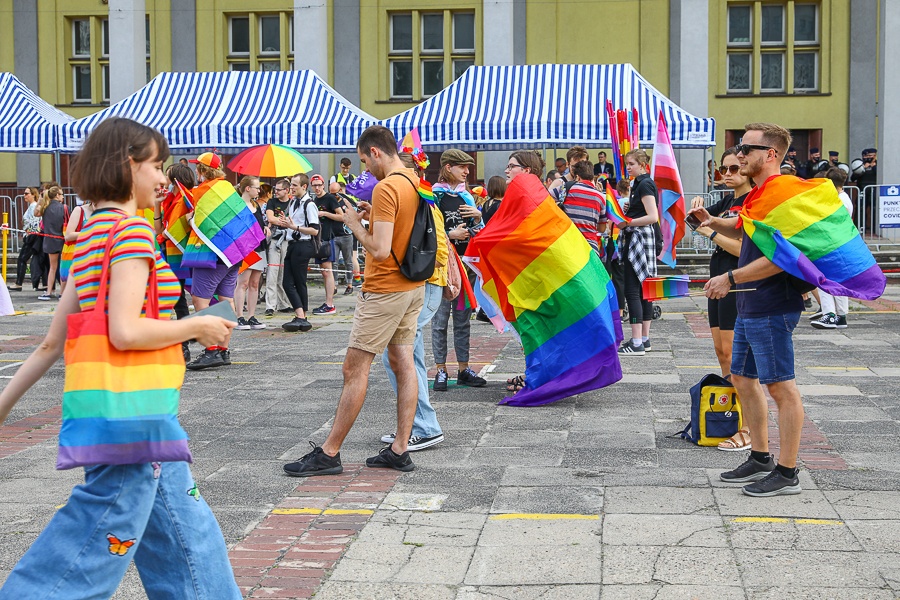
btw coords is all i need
(296, 213)
(848, 203)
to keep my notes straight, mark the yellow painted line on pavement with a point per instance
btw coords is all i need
(11, 360)
(543, 517)
(785, 520)
(319, 511)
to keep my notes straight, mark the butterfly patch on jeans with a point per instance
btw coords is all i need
(118, 547)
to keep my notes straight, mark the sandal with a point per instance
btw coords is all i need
(737, 442)
(515, 384)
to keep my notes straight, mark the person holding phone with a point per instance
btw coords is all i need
(722, 313)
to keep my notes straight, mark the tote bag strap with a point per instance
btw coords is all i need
(103, 296)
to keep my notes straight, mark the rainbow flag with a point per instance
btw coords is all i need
(613, 210)
(551, 287)
(223, 223)
(664, 171)
(425, 191)
(802, 227)
(660, 288)
(178, 228)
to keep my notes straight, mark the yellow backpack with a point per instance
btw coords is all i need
(715, 412)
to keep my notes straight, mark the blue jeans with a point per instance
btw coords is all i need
(170, 533)
(763, 347)
(426, 423)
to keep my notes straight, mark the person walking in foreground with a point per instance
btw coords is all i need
(386, 312)
(138, 501)
(763, 349)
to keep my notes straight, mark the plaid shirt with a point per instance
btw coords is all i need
(641, 251)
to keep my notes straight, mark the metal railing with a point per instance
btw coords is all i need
(867, 203)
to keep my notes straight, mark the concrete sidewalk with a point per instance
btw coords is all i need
(590, 497)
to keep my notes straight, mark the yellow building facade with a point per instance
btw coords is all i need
(387, 55)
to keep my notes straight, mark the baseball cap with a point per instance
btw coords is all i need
(316, 178)
(456, 157)
(210, 159)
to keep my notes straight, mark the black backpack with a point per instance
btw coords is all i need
(418, 262)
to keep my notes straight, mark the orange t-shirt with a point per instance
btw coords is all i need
(394, 200)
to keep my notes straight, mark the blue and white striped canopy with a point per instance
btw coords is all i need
(27, 123)
(229, 111)
(535, 106)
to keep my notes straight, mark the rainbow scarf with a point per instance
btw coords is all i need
(613, 209)
(803, 228)
(550, 285)
(222, 227)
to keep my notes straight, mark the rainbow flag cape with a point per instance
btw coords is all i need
(613, 210)
(425, 191)
(178, 228)
(802, 227)
(660, 288)
(551, 287)
(223, 223)
(664, 171)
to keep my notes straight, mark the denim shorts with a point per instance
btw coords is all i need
(763, 347)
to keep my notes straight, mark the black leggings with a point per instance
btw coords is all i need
(181, 307)
(639, 310)
(295, 271)
(27, 253)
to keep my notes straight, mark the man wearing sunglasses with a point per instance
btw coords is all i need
(763, 351)
(276, 209)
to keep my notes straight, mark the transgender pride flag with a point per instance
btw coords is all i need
(664, 171)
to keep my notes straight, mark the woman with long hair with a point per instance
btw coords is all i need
(723, 313)
(524, 161)
(496, 189)
(461, 217)
(248, 281)
(138, 500)
(31, 243)
(53, 221)
(639, 251)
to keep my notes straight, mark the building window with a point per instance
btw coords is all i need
(772, 47)
(256, 42)
(427, 50)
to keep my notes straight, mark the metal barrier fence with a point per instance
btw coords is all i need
(9, 206)
(867, 209)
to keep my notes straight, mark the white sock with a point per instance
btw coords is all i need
(636, 341)
(645, 338)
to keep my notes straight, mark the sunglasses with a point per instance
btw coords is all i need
(733, 169)
(745, 149)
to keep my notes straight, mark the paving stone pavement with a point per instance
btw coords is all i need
(590, 497)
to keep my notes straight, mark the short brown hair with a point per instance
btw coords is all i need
(379, 137)
(183, 174)
(102, 169)
(530, 159)
(638, 155)
(774, 135)
(303, 177)
(577, 153)
(584, 170)
(496, 187)
(837, 177)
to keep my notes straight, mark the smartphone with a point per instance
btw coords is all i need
(692, 221)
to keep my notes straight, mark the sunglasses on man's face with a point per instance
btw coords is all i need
(733, 169)
(746, 149)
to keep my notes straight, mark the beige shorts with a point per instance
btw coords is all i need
(382, 319)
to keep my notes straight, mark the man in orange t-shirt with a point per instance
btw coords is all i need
(387, 308)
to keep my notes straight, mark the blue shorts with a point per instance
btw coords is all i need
(763, 347)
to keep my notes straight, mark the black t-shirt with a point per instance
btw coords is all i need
(279, 209)
(773, 295)
(721, 260)
(259, 219)
(449, 205)
(489, 208)
(330, 228)
(643, 186)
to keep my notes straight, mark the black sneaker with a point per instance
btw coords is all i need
(469, 378)
(325, 310)
(841, 321)
(807, 304)
(208, 359)
(186, 352)
(816, 315)
(254, 323)
(646, 344)
(286, 311)
(440, 381)
(828, 321)
(750, 470)
(270, 312)
(348, 290)
(388, 459)
(293, 325)
(226, 356)
(416, 442)
(773, 484)
(242, 323)
(315, 462)
(629, 349)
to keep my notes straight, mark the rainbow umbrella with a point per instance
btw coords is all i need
(270, 160)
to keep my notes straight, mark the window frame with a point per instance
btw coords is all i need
(402, 51)
(728, 42)
(784, 39)
(783, 87)
(816, 67)
(731, 90)
(817, 38)
(259, 24)
(231, 51)
(431, 51)
(412, 85)
(462, 51)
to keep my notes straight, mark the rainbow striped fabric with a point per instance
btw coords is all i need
(547, 282)
(660, 288)
(613, 210)
(223, 224)
(119, 407)
(802, 227)
(425, 191)
(664, 171)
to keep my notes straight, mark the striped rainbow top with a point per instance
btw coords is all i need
(133, 240)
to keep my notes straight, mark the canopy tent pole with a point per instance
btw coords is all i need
(56, 166)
